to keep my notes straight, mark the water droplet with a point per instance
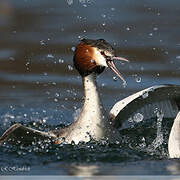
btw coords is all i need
(130, 119)
(72, 143)
(142, 68)
(27, 64)
(115, 78)
(44, 120)
(50, 56)
(33, 143)
(128, 28)
(156, 110)
(103, 84)
(61, 61)
(70, 68)
(19, 152)
(42, 43)
(12, 58)
(58, 157)
(73, 48)
(47, 150)
(143, 144)
(47, 92)
(145, 95)
(124, 84)
(84, 1)
(57, 94)
(112, 9)
(150, 34)
(79, 17)
(138, 117)
(155, 28)
(138, 79)
(103, 15)
(114, 43)
(85, 5)
(30, 150)
(103, 23)
(70, 2)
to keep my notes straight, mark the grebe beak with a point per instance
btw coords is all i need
(112, 66)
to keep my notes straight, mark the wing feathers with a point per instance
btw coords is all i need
(163, 97)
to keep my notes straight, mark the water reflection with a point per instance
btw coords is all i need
(82, 170)
(133, 168)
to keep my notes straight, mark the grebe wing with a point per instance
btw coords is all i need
(19, 134)
(174, 139)
(163, 97)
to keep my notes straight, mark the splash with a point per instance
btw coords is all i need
(159, 138)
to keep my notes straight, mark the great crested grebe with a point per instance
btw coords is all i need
(90, 59)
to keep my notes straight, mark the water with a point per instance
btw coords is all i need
(41, 89)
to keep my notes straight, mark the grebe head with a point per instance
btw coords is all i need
(94, 55)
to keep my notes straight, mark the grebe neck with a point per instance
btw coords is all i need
(93, 112)
(93, 121)
(91, 94)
